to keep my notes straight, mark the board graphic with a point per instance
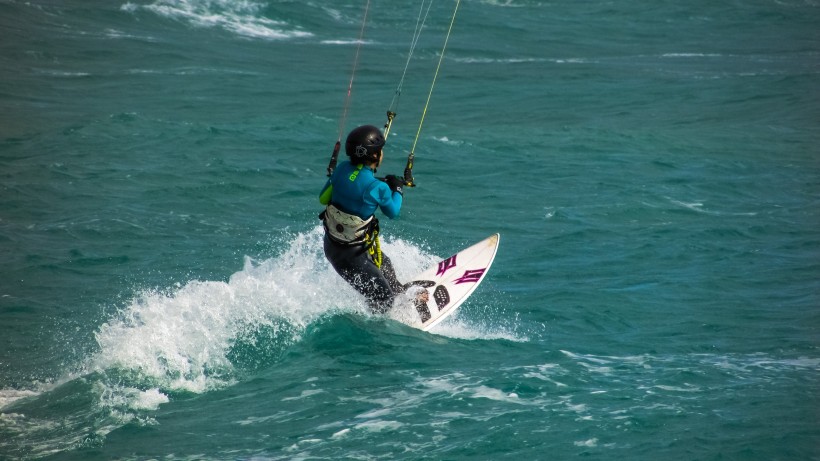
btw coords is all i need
(453, 280)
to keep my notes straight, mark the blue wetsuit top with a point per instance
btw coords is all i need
(355, 190)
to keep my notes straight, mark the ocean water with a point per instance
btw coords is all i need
(653, 169)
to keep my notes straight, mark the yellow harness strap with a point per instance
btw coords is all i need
(374, 248)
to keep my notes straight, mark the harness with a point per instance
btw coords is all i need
(348, 229)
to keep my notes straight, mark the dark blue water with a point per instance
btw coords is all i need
(652, 169)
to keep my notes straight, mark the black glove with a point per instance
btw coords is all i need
(394, 183)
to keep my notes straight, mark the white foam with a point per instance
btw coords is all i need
(691, 55)
(690, 388)
(490, 393)
(304, 394)
(460, 328)
(545, 372)
(242, 17)
(340, 434)
(8, 396)
(378, 425)
(404, 310)
(149, 400)
(448, 141)
(698, 207)
(346, 42)
(182, 338)
(591, 443)
(502, 3)
(482, 60)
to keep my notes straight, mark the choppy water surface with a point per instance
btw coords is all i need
(652, 170)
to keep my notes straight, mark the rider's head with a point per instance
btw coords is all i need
(364, 145)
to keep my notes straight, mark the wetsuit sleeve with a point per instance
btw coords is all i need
(389, 201)
(327, 192)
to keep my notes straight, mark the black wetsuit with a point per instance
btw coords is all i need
(355, 191)
(355, 264)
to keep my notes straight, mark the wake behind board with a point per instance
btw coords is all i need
(453, 280)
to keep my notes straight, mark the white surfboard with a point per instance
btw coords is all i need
(451, 281)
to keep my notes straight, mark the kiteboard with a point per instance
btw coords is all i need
(450, 282)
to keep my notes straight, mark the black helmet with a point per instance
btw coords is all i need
(364, 143)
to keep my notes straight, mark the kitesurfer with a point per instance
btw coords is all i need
(352, 195)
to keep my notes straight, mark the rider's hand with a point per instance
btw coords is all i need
(395, 183)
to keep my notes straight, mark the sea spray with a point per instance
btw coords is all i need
(202, 336)
(182, 339)
(193, 337)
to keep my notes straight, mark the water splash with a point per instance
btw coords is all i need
(202, 336)
(185, 339)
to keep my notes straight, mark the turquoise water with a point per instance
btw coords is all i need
(652, 168)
